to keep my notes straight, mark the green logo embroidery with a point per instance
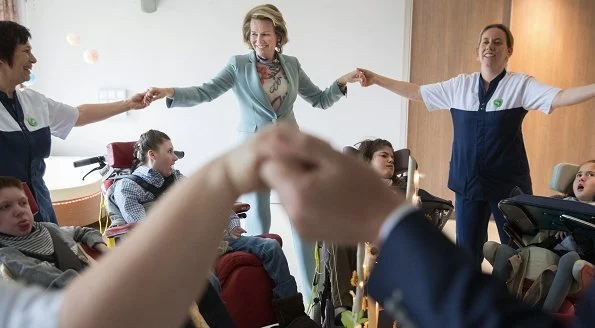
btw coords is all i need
(31, 121)
(498, 102)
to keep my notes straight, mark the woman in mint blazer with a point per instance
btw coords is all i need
(266, 84)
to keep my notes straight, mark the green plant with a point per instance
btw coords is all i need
(347, 319)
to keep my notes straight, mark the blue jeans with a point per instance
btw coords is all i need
(472, 217)
(273, 260)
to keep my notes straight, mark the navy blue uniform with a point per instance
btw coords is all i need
(27, 121)
(488, 153)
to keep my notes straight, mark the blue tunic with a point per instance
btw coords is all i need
(488, 153)
(27, 121)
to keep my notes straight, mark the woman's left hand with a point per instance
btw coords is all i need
(352, 77)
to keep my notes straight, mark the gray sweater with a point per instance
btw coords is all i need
(30, 270)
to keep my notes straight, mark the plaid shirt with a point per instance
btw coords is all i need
(234, 221)
(131, 198)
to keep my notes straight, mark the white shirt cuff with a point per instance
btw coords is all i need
(393, 219)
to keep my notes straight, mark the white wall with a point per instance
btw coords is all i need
(186, 42)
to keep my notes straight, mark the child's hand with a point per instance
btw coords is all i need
(560, 235)
(237, 232)
(101, 248)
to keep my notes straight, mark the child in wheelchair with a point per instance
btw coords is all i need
(556, 242)
(129, 199)
(40, 253)
(391, 167)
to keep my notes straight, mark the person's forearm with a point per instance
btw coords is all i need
(91, 113)
(573, 96)
(152, 278)
(404, 89)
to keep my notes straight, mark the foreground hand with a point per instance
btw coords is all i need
(242, 164)
(328, 196)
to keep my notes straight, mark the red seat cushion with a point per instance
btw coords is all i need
(32, 203)
(246, 288)
(119, 230)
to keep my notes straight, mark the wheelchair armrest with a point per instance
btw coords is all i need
(116, 231)
(94, 254)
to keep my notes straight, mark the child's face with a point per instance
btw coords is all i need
(163, 158)
(16, 218)
(584, 183)
(383, 162)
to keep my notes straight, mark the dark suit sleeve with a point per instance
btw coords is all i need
(422, 278)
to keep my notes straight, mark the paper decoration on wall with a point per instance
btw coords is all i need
(91, 56)
(31, 81)
(73, 39)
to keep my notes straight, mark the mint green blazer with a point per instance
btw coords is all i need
(240, 74)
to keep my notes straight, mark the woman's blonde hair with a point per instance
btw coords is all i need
(271, 13)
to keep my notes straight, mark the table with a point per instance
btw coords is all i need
(75, 201)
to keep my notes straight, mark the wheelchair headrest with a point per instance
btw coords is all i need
(32, 203)
(401, 161)
(563, 177)
(351, 151)
(120, 154)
